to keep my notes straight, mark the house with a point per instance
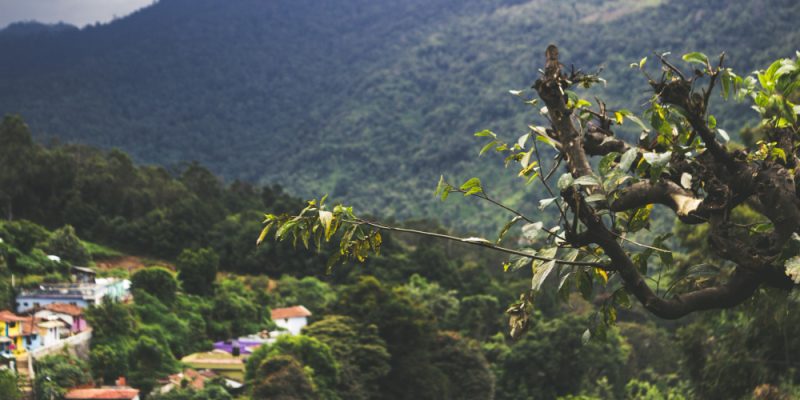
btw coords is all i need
(50, 332)
(293, 319)
(246, 345)
(221, 362)
(81, 294)
(83, 274)
(10, 332)
(70, 314)
(104, 393)
(20, 334)
(32, 336)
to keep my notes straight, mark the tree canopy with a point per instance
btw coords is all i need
(602, 204)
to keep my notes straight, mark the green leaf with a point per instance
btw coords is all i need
(621, 298)
(585, 285)
(587, 335)
(263, 233)
(507, 226)
(586, 180)
(487, 147)
(541, 273)
(541, 269)
(696, 57)
(532, 231)
(724, 135)
(565, 181)
(712, 122)
(623, 113)
(777, 152)
(607, 162)
(792, 266)
(657, 159)
(640, 218)
(596, 197)
(526, 159)
(627, 159)
(519, 262)
(471, 187)
(522, 140)
(543, 203)
(642, 62)
(486, 132)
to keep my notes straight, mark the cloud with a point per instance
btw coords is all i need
(76, 12)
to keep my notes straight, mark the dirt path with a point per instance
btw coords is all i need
(130, 263)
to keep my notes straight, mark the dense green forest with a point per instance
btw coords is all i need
(298, 92)
(422, 320)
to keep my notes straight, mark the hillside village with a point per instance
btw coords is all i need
(51, 318)
(232, 200)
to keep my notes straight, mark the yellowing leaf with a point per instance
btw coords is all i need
(602, 273)
(326, 218)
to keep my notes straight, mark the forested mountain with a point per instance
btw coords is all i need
(365, 99)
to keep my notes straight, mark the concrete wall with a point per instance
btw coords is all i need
(293, 325)
(77, 345)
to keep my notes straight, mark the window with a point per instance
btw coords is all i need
(35, 304)
(28, 340)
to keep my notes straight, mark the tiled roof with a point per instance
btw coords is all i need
(29, 326)
(64, 308)
(290, 312)
(8, 316)
(102, 394)
(196, 379)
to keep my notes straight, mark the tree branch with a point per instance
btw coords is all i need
(480, 242)
(665, 192)
(744, 281)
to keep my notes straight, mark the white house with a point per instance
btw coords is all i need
(50, 332)
(293, 319)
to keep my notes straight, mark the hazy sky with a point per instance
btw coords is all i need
(76, 12)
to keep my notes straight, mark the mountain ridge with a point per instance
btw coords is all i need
(367, 101)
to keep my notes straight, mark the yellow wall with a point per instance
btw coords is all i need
(15, 334)
(12, 331)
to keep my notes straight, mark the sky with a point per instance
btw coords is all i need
(75, 12)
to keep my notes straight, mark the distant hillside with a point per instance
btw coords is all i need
(369, 100)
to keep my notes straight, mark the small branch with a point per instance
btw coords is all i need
(670, 66)
(631, 241)
(486, 244)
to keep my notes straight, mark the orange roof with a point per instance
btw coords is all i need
(196, 379)
(290, 312)
(29, 326)
(102, 394)
(8, 316)
(64, 308)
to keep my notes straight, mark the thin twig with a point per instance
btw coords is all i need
(481, 243)
(670, 66)
(637, 243)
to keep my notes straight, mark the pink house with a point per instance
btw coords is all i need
(71, 314)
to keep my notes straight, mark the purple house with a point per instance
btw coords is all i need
(71, 314)
(244, 345)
